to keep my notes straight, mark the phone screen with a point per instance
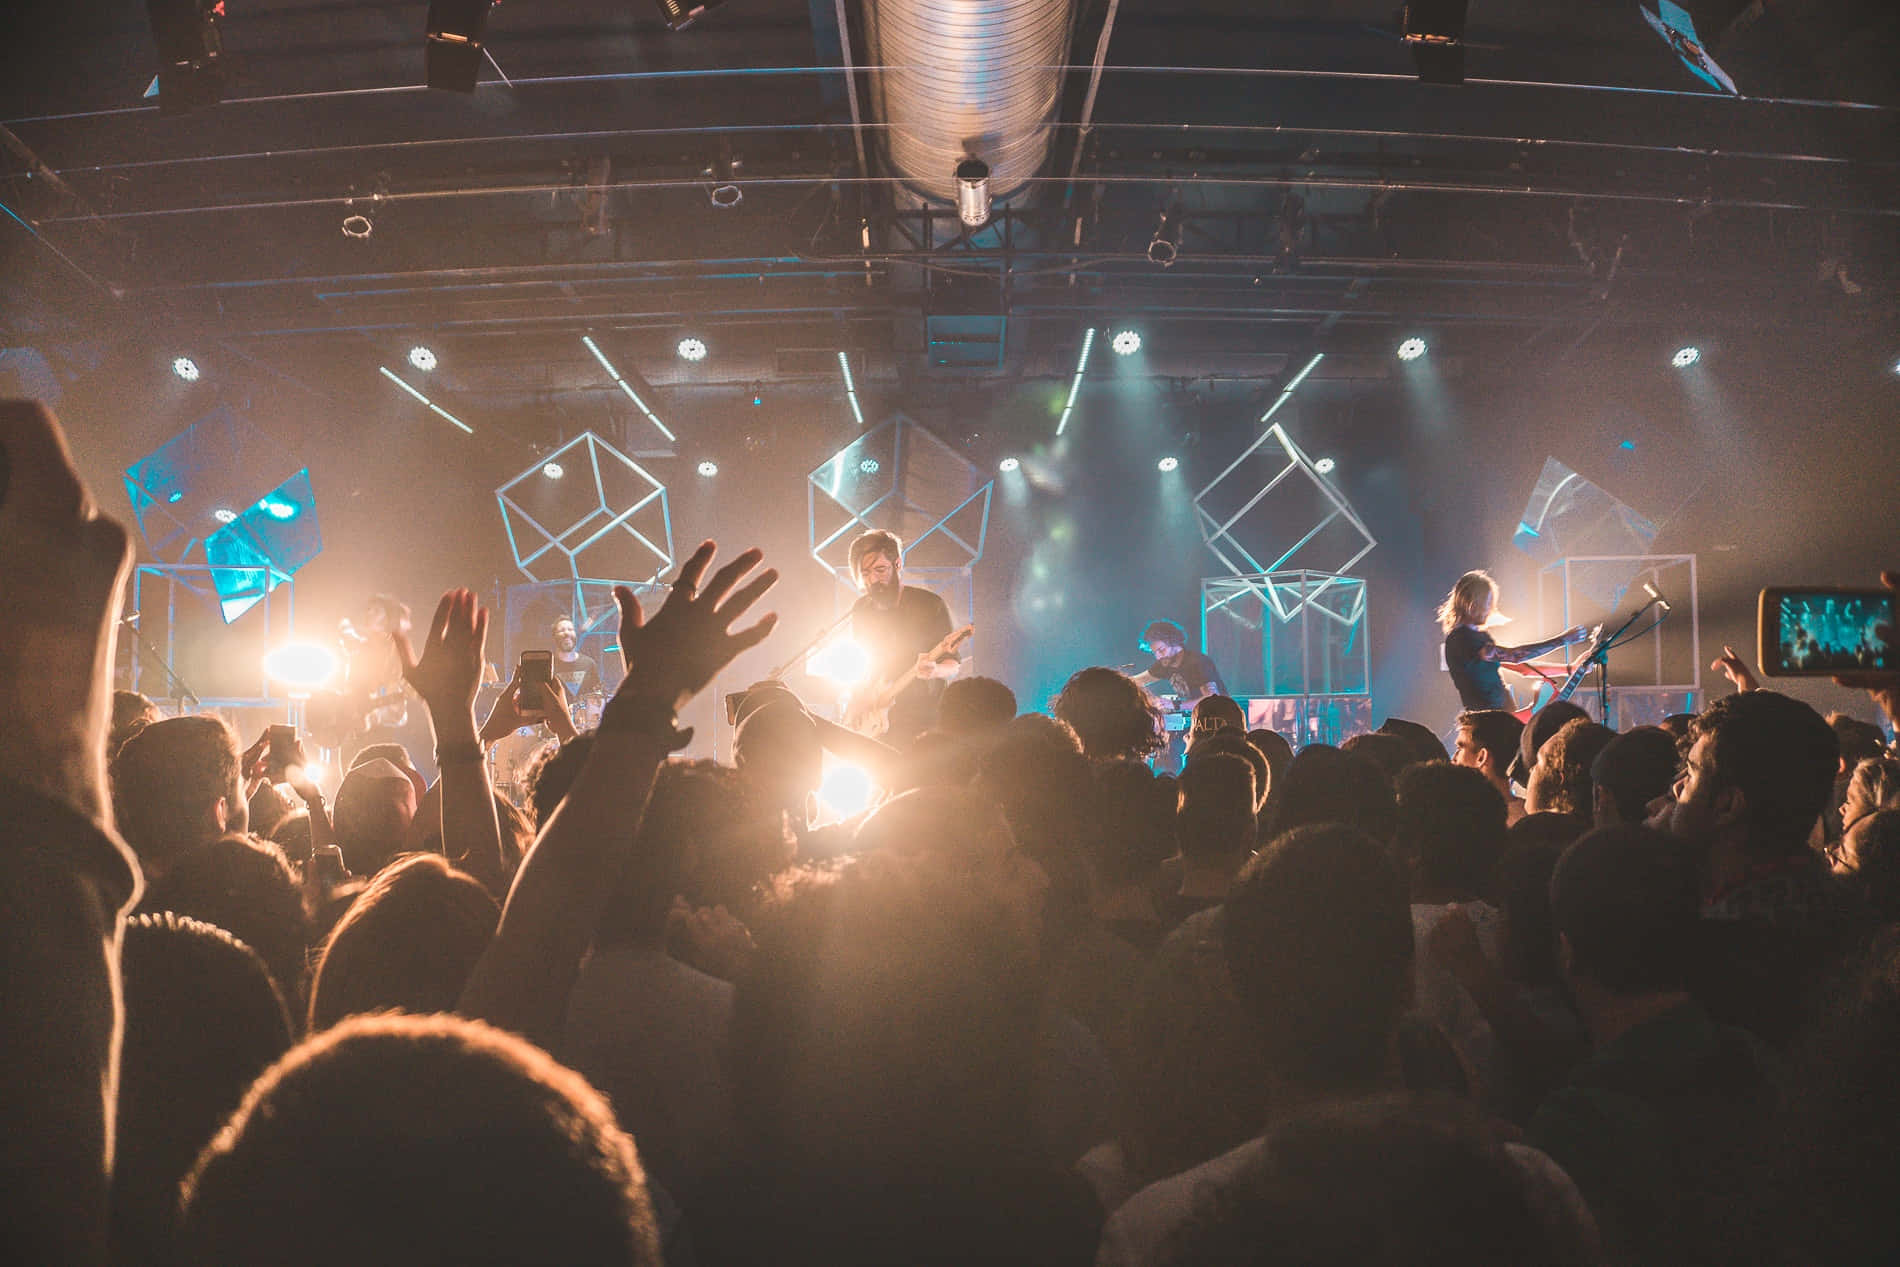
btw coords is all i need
(1832, 631)
(536, 666)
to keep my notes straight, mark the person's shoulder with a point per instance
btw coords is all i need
(1135, 1233)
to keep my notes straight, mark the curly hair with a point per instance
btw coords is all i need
(1112, 715)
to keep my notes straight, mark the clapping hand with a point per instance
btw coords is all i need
(676, 654)
(449, 671)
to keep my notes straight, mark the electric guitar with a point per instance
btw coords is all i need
(334, 718)
(1567, 687)
(869, 709)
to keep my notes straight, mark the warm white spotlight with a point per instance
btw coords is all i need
(869, 466)
(691, 349)
(554, 470)
(185, 368)
(1126, 342)
(1324, 466)
(1411, 349)
(301, 665)
(841, 660)
(847, 790)
(422, 358)
(1007, 465)
(1167, 464)
(224, 516)
(709, 468)
(279, 510)
(1685, 357)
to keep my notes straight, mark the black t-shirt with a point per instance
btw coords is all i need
(1189, 674)
(896, 636)
(579, 675)
(1477, 679)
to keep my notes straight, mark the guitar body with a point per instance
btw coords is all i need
(334, 718)
(1550, 691)
(868, 710)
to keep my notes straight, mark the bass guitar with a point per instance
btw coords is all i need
(869, 709)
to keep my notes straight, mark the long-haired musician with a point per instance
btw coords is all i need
(1473, 655)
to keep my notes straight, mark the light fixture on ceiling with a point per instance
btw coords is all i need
(1168, 463)
(1126, 342)
(1685, 357)
(224, 515)
(185, 368)
(1325, 466)
(422, 358)
(709, 468)
(1435, 32)
(1165, 247)
(1007, 465)
(973, 193)
(553, 470)
(453, 52)
(680, 14)
(692, 348)
(1075, 384)
(869, 466)
(190, 52)
(1411, 349)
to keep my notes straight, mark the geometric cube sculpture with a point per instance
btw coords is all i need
(1286, 634)
(265, 545)
(1271, 511)
(900, 478)
(1661, 666)
(604, 516)
(1567, 516)
(193, 484)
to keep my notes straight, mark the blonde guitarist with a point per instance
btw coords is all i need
(906, 631)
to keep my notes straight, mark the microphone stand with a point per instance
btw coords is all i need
(1602, 654)
(181, 693)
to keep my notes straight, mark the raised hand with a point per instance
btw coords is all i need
(1883, 687)
(1735, 669)
(63, 568)
(449, 671)
(676, 654)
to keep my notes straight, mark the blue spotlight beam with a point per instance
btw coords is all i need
(850, 387)
(1075, 384)
(434, 408)
(624, 386)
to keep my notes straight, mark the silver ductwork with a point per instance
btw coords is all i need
(966, 79)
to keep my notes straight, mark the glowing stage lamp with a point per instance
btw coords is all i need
(1685, 357)
(1325, 466)
(709, 468)
(1411, 349)
(301, 666)
(846, 790)
(1167, 464)
(840, 660)
(185, 368)
(1008, 464)
(691, 349)
(422, 358)
(1126, 342)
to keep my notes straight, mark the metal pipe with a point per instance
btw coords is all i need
(830, 178)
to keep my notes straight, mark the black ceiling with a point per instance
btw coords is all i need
(1582, 179)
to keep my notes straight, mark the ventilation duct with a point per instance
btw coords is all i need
(967, 79)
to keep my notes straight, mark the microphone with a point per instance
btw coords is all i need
(1655, 596)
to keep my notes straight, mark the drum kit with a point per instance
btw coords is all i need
(514, 755)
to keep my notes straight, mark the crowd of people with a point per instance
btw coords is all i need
(1556, 995)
